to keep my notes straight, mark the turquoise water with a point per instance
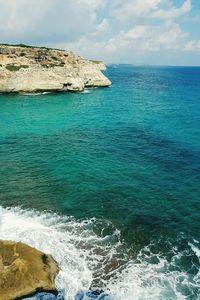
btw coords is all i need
(122, 164)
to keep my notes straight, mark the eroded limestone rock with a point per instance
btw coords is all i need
(31, 69)
(24, 271)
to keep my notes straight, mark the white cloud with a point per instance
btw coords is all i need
(92, 4)
(49, 20)
(125, 10)
(102, 29)
(193, 46)
(144, 38)
(163, 9)
(173, 12)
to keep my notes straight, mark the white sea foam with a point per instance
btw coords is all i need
(86, 91)
(35, 94)
(73, 244)
(142, 280)
(195, 248)
(94, 259)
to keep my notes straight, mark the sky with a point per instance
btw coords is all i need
(153, 32)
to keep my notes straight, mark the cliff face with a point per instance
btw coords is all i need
(31, 69)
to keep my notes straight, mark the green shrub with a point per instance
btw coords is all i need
(14, 68)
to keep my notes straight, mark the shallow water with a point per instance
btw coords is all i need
(108, 182)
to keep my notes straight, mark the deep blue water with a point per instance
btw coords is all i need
(128, 156)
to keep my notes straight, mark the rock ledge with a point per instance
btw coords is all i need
(25, 271)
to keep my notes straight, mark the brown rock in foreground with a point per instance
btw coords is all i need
(24, 270)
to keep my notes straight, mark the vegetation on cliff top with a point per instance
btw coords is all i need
(31, 47)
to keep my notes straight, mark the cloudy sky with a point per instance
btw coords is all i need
(116, 31)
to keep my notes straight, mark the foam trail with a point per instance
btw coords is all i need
(88, 259)
(35, 94)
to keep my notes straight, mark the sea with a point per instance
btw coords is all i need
(108, 182)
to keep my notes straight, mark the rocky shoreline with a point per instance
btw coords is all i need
(25, 271)
(29, 274)
(26, 69)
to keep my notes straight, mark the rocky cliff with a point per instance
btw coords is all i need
(33, 69)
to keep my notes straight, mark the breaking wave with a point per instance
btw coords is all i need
(91, 254)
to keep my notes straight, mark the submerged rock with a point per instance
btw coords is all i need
(32, 69)
(47, 296)
(25, 271)
(92, 295)
(89, 295)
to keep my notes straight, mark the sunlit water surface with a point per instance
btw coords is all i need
(108, 181)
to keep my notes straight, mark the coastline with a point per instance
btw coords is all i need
(37, 70)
